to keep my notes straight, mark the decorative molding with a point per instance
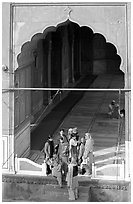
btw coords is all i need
(68, 10)
(72, 4)
(68, 15)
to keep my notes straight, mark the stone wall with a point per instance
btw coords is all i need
(35, 188)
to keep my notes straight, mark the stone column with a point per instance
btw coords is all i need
(49, 66)
(128, 94)
(80, 64)
(127, 135)
(73, 58)
(11, 93)
(8, 82)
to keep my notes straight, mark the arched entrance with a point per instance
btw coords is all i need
(58, 58)
(69, 51)
(61, 55)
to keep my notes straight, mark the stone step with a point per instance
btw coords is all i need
(34, 155)
(90, 113)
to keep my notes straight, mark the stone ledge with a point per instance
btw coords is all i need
(8, 178)
(87, 181)
(106, 184)
(108, 195)
(24, 187)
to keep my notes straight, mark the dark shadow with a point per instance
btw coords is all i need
(76, 51)
(52, 121)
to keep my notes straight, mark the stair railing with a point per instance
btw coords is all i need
(48, 105)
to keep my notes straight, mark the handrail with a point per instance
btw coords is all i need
(120, 130)
(51, 100)
(109, 159)
(58, 92)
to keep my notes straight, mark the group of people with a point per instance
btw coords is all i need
(114, 110)
(72, 155)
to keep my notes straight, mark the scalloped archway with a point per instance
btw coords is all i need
(60, 56)
(96, 42)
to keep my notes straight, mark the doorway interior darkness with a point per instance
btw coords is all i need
(62, 54)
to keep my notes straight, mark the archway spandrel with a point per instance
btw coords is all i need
(81, 15)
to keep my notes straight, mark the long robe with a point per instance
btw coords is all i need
(72, 181)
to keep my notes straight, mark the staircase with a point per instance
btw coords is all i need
(90, 114)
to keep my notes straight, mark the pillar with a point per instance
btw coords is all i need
(128, 94)
(127, 135)
(7, 82)
(49, 66)
(73, 58)
(80, 67)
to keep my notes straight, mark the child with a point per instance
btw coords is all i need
(72, 181)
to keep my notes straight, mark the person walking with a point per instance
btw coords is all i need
(88, 153)
(111, 108)
(81, 150)
(62, 134)
(75, 132)
(116, 113)
(69, 134)
(122, 113)
(73, 147)
(63, 153)
(72, 179)
(48, 153)
(56, 169)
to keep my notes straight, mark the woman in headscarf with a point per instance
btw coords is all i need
(70, 132)
(75, 132)
(88, 153)
(73, 147)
